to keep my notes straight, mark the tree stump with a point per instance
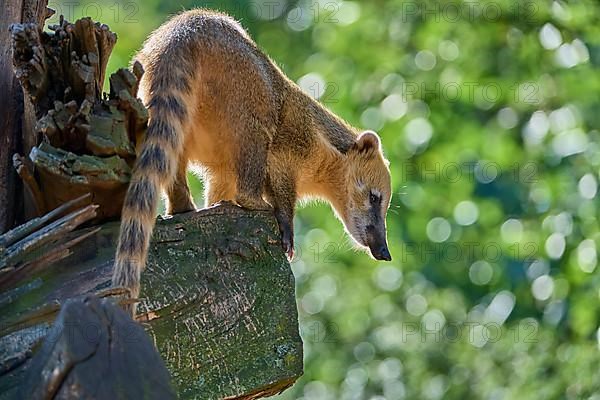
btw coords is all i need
(84, 141)
(218, 300)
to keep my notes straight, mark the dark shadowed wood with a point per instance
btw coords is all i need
(11, 109)
(218, 301)
(95, 351)
(12, 119)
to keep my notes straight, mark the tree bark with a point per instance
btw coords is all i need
(11, 110)
(218, 299)
(16, 130)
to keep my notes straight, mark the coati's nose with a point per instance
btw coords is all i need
(382, 254)
(377, 244)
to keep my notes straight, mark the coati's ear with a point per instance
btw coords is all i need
(367, 142)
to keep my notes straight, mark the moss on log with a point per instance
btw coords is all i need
(217, 299)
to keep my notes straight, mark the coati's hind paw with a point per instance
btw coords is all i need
(250, 203)
(181, 209)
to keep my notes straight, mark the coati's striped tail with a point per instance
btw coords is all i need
(154, 170)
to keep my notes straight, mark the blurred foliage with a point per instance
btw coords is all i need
(489, 114)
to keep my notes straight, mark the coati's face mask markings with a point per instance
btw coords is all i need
(369, 194)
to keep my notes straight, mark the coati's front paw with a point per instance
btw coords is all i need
(251, 203)
(287, 237)
(288, 246)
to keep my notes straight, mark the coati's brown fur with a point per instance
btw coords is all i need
(217, 101)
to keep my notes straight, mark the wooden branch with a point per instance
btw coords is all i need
(14, 235)
(217, 299)
(32, 189)
(51, 233)
(28, 268)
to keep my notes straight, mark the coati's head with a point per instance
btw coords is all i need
(368, 186)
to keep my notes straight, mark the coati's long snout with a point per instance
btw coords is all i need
(366, 198)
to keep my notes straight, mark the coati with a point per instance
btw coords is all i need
(216, 101)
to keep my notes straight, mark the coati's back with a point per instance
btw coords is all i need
(205, 53)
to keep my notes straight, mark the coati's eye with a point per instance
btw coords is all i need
(374, 198)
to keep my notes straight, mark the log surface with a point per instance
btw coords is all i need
(218, 300)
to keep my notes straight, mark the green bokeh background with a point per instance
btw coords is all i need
(489, 113)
